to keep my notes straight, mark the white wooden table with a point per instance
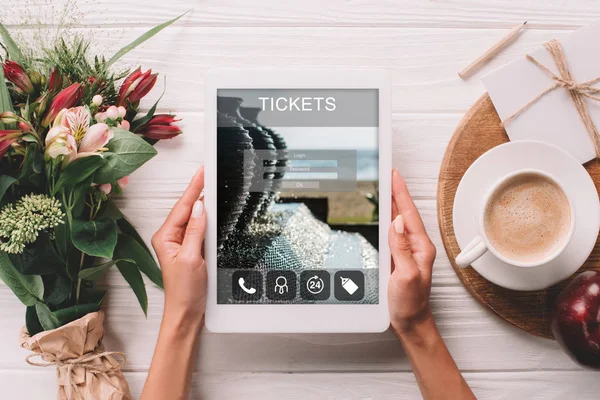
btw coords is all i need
(423, 44)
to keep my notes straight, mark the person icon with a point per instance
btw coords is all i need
(281, 285)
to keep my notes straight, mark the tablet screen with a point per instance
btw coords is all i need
(297, 196)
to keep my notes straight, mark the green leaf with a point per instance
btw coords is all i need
(70, 314)
(98, 272)
(80, 192)
(38, 258)
(126, 153)
(46, 318)
(95, 238)
(141, 40)
(78, 171)
(128, 229)
(112, 211)
(61, 240)
(132, 275)
(5, 101)
(5, 182)
(58, 289)
(32, 321)
(14, 53)
(129, 248)
(73, 263)
(29, 289)
(33, 167)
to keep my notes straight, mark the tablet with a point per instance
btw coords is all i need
(297, 178)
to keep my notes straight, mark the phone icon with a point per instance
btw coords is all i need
(247, 285)
(242, 284)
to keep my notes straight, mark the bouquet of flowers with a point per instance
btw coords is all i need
(70, 135)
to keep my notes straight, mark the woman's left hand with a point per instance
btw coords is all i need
(178, 245)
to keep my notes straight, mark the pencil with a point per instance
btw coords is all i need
(492, 51)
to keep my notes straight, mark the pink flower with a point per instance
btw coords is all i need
(123, 182)
(124, 125)
(67, 98)
(15, 74)
(59, 142)
(160, 127)
(136, 86)
(105, 188)
(96, 137)
(76, 119)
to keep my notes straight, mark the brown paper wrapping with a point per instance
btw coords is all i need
(84, 369)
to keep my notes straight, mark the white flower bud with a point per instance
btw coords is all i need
(122, 111)
(97, 100)
(112, 112)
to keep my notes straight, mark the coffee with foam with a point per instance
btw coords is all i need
(527, 218)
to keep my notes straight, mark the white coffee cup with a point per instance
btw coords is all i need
(481, 244)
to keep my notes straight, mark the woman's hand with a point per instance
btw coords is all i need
(178, 245)
(413, 254)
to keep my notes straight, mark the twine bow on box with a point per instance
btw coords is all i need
(578, 91)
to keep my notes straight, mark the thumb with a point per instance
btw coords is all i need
(195, 232)
(400, 247)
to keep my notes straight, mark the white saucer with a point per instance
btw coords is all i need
(509, 157)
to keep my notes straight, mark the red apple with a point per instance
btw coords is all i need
(576, 319)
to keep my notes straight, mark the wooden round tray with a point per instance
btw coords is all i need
(479, 131)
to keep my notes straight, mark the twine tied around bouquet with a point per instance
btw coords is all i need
(578, 91)
(85, 361)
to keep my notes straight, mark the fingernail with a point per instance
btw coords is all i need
(201, 195)
(399, 224)
(198, 209)
(395, 171)
(198, 171)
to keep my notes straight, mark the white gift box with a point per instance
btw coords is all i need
(554, 117)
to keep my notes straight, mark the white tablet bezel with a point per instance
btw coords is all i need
(280, 318)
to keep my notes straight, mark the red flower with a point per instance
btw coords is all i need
(7, 137)
(5, 145)
(136, 86)
(56, 80)
(160, 127)
(15, 74)
(67, 98)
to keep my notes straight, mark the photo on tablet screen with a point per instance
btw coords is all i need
(297, 196)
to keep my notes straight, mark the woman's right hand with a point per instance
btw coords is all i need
(413, 254)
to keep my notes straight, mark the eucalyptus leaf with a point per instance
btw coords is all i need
(126, 153)
(38, 258)
(78, 171)
(132, 275)
(14, 53)
(70, 314)
(95, 238)
(141, 40)
(46, 318)
(29, 289)
(129, 248)
(5, 183)
(98, 272)
(32, 321)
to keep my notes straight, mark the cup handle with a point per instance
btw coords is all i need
(472, 252)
